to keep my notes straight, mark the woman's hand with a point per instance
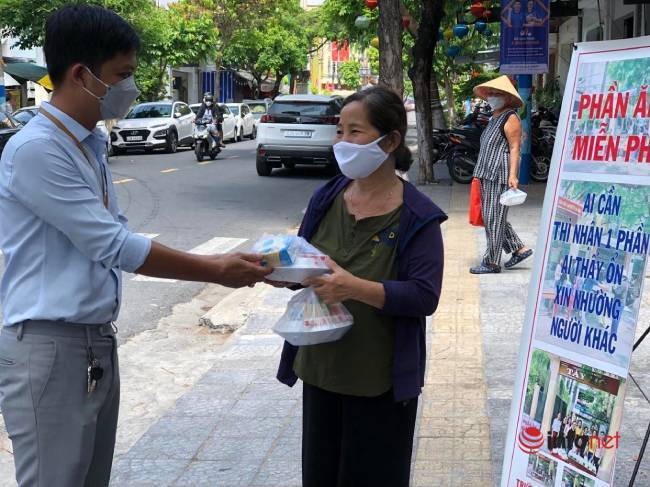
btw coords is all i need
(513, 182)
(336, 287)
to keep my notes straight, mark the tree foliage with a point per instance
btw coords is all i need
(279, 47)
(349, 74)
(337, 21)
(177, 36)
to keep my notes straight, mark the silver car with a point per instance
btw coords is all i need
(164, 124)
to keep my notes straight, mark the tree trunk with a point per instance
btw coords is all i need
(449, 91)
(217, 77)
(437, 111)
(278, 82)
(391, 66)
(431, 12)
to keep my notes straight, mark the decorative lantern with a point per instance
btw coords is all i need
(480, 26)
(487, 32)
(477, 9)
(487, 14)
(406, 21)
(375, 42)
(453, 51)
(371, 4)
(461, 30)
(448, 33)
(361, 22)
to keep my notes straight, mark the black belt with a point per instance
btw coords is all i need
(62, 329)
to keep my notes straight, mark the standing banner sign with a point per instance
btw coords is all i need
(524, 36)
(587, 282)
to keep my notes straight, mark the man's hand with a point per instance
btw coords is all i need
(239, 270)
(231, 270)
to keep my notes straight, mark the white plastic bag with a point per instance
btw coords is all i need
(308, 262)
(309, 321)
(512, 197)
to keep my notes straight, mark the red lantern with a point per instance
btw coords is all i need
(477, 9)
(371, 4)
(487, 14)
(406, 21)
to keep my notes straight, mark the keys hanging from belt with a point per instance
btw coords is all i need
(95, 370)
(95, 373)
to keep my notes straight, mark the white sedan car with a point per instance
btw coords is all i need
(229, 124)
(245, 120)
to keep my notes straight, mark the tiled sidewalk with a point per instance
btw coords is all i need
(237, 426)
(453, 442)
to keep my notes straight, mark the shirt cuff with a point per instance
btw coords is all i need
(134, 252)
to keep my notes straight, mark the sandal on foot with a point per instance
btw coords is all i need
(517, 258)
(484, 268)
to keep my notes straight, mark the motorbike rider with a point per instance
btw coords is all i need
(211, 113)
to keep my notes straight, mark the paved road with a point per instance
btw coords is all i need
(211, 207)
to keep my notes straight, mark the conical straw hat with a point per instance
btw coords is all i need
(502, 83)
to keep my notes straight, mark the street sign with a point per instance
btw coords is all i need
(524, 36)
(587, 282)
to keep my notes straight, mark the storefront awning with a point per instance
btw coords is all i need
(23, 71)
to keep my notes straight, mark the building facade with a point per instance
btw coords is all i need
(596, 20)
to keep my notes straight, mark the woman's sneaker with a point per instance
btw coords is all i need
(484, 268)
(517, 258)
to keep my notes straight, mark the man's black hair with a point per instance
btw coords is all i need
(85, 34)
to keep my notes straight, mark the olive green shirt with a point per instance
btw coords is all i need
(360, 363)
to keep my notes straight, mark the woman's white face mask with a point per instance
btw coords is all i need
(359, 161)
(496, 102)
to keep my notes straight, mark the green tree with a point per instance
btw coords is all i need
(169, 37)
(279, 47)
(182, 35)
(349, 74)
(230, 17)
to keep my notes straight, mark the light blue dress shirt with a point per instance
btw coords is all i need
(64, 251)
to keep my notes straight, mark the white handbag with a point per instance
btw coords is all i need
(512, 197)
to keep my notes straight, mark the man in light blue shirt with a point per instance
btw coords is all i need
(65, 245)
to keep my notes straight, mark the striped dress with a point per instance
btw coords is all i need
(492, 169)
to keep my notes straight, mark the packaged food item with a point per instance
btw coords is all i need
(308, 262)
(309, 321)
(277, 250)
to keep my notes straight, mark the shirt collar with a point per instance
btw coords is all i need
(78, 130)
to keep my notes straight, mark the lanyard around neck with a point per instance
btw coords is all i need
(64, 129)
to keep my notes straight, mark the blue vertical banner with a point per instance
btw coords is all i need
(524, 36)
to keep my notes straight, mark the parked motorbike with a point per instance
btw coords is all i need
(463, 148)
(461, 153)
(205, 144)
(543, 140)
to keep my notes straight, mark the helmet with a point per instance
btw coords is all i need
(207, 97)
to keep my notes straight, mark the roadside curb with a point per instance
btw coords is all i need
(231, 313)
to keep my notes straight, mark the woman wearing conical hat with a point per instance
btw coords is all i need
(497, 169)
